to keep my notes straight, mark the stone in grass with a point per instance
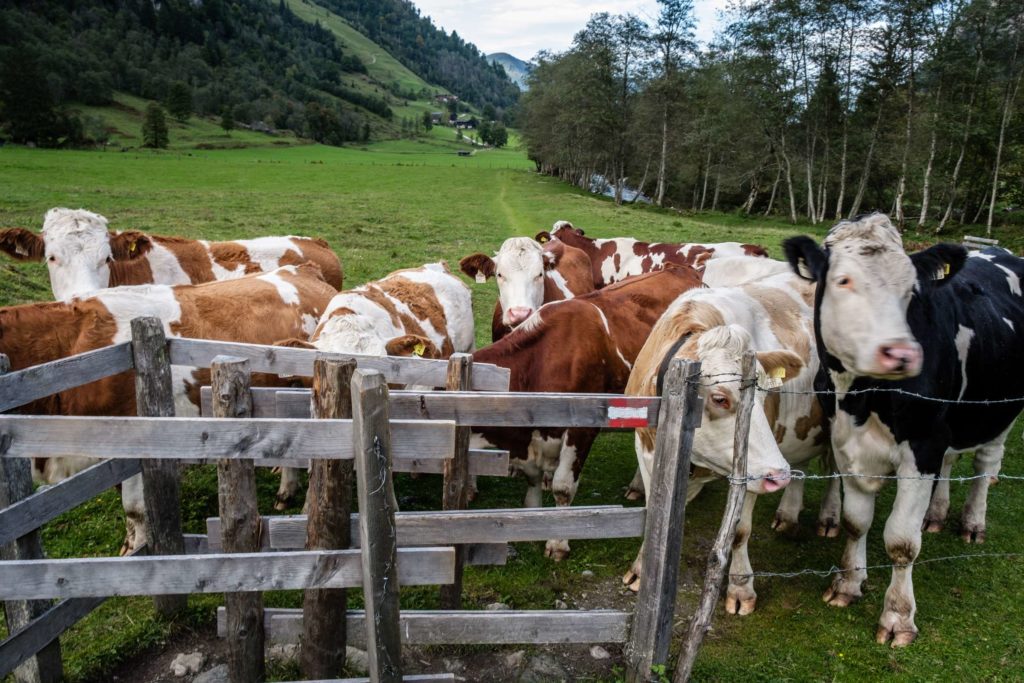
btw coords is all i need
(218, 674)
(515, 659)
(356, 661)
(497, 607)
(288, 652)
(544, 668)
(598, 652)
(561, 604)
(587, 574)
(185, 664)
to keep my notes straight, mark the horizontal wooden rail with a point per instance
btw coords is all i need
(479, 553)
(475, 409)
(30, 436)
(299, 362)
(413, 678)
(24, 386)
(214, 573)
(467, 627)
(457, 527)
(46, 504)
(482, 463)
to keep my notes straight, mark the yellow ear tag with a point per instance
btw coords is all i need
(946, 269)
(131, 247)
(480, 277)
(419, 349)
(778, 373)
(542, 240)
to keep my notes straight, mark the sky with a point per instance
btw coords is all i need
(524, 27)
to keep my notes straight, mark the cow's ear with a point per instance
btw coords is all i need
(294, 343)
(780, 365)
(22, 244)
(805, 257)
(128, 245)
(477, 266)
(412, 345)
(543, 237)
(700, 261)
(553, 254)
(939, 263)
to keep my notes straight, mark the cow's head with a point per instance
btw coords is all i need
(77, 247)
(519, 266)
(865, 282)
(720, 351)
(563, 229)
(357, 334)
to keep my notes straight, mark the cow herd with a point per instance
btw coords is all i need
(878, 362)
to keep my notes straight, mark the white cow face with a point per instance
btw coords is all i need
(866, 282)
(519, 266)
(77, 252)
(357, 334)
(720, 351)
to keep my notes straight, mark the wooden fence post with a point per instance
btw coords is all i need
(371, 439)
(456, 473)
(651, 632)
(718, 559)
(328, 527)
(16, 483)
(161, 480)
(240, 523)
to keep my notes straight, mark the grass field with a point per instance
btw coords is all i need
(400, 204)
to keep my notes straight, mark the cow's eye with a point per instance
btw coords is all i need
(720, 401)
(110, 259)
(52, 259)
(500, 276)
(539, 276)
(845, 281)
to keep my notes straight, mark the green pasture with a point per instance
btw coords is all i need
(399, 204)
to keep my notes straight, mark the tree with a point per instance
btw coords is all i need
(673, 36)
(154, 127)
(26, 107)
(499, 135)
(428, 121)
(179, 101)
(227, 120)
(489, 113)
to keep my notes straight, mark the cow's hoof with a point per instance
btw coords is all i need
(633, 494)
(933, 526)
(557, 550)
(275, 470)
(635, 586)
(835, 597)
(281, 502)
(740, 604)
(126, 548)
(899, 638)
(828, 528)
(783, 523)
(629, 577)
(973, 534)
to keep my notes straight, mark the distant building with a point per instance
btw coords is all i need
(467, 124)
(445, 99)
(436, 116)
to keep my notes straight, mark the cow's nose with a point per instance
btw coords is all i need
(775, 480)
(901, 357)
(519, 314)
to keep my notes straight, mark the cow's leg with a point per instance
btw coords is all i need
(903, 543)
(935, 517)
(740, 598)
(134, 514)
(572, 454)
(988, 460)
(787, 515)
(287, 488)
(858, 511)
(636, 490)
(832, 502)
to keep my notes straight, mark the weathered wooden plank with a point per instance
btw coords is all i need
(240, 522)
(290, 361)
(412, 678)
(509, 409)
(196, 544)
(479, 526)
(161, 480)
(27, 385)
(330, 504)
(718, 558)
(482, 463)
(371, 441)
(455, 490)
(681, 411)
(46, 665)
(468, 627)
(48, 503)
(214, 573)
(199, 438)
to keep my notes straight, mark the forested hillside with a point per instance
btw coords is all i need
(805, 109)
(432, 54)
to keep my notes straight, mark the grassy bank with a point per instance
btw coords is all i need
(399, 204)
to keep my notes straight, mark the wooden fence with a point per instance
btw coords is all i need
(336, 547)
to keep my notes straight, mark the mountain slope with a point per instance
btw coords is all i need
(516, 68)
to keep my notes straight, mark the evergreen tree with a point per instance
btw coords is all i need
(227, 120)
(428, 121)
(25, 102)
(499, 135)
(154, 127)
(179, 101)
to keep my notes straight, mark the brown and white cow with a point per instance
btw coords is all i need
(773, 317)
(84, 256)
(258, 309)
(581, 345)
(423, 311)
(615, 259)
(528, 277)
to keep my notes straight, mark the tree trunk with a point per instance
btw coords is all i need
(901, 185)
(846, 127)
(963, 144)
(707, 172)
(1008, 100)
(789, 179)
(718, 183)
(862, 186)
(643, 181)
(775, 187)
(926, 188)
(664, 155)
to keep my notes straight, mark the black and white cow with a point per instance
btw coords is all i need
(891, 328)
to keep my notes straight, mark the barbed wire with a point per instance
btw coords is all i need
(838, 570)
(799, 474)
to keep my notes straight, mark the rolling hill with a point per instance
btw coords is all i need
(516, 68)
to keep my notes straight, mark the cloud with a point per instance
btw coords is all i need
(525, 27)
